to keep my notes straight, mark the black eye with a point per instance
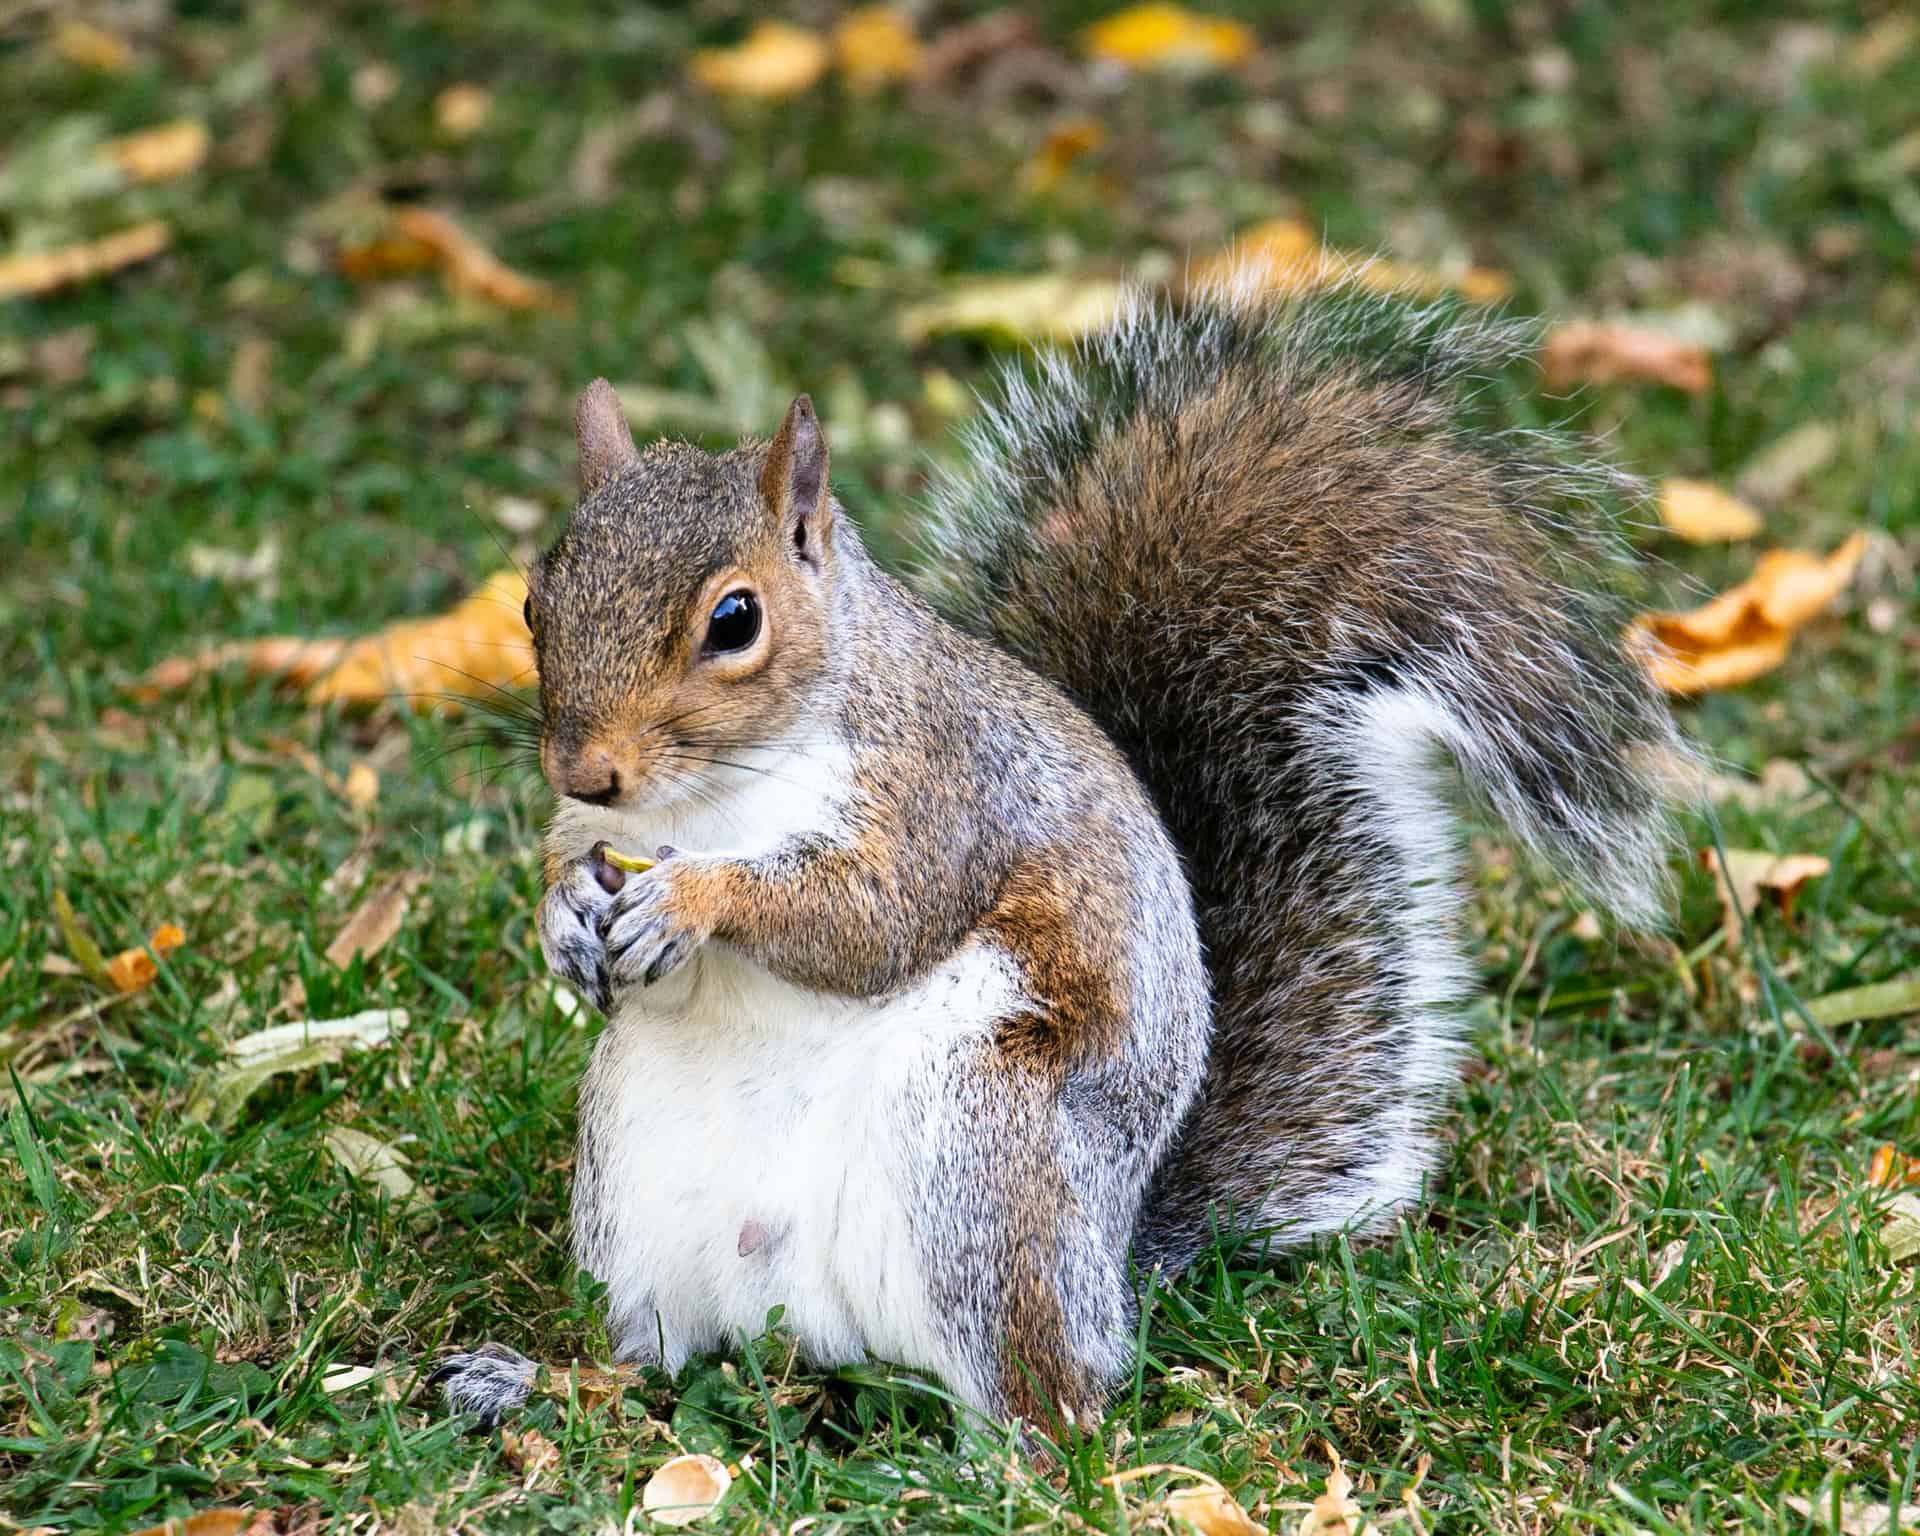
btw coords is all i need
(526, 612)
(735, 624)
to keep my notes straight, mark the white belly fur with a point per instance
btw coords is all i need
(725, 1096)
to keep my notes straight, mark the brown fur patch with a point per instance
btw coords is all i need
(1056, 919)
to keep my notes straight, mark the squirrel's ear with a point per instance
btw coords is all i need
(794, 480)
(600, 428)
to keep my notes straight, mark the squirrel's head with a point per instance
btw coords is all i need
(681, 619)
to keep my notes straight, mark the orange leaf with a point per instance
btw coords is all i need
(1065, 143)
(160, 154)
(1702, 513)
(132, 969)
(775, 60)
(1158, 36)
(1592, 352)
(1284, 256)
(91, 47)
(469, 266)
(44, 271)
(1747, 630)
(875, 46)
(218, 1522)
(1893, 1169)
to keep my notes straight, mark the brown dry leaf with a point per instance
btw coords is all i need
(91, 47)
(1701, 513)
(1596, 352)
(165, 153)
(1893, 1169)
(1066, 142)
(1050, 306)
(1334, 1513)
(44, 271)
(460, 111)
(132, 969)
(874, 46)
(1750, 874)
(776, 60)
(375, 921)
(217, 1522)
(1162, 36)
(1748, 629)
(685, 1489)
(1212, 1511)
(361, 787)
(529, 1453)
(470, 268)
(1285, 257)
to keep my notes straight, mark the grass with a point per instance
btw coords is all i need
(1650, 1292)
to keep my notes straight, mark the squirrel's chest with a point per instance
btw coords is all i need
(747, 1144)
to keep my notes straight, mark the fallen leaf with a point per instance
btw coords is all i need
(132, 969)
(1880, 1000)
(1781, 782)
(1065, 143)
(1160, 36)
(229, 566)
(417, 239)
(874, 46)
(375, 921)
(460, 111)
(1702, 513)
(1901, 1229)
(685, 1489)
(1891, 1168)
(776, 60)
(1285, 257)
(91, 47)
(529, 1453)
(160, 154)
(218, 1098)
(1749, 874)
(1748, 629)
(1597, 352)
(31, 272)
(361, 787)
(86, 954)
(1855, 1517)
(1052, 306)
(1334, 1513)
(374, 1162)
(344, 1378)
(1212, 1511)
(478, 646)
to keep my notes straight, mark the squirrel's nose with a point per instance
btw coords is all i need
(588, 775)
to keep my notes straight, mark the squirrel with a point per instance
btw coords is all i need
(1030, 926)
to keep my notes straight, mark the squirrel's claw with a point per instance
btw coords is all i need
(647, 935)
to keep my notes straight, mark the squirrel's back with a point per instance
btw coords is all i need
(1271, 550)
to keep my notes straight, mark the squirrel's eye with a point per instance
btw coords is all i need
(735, 623)
(526, 613)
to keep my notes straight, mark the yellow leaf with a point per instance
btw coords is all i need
(1065, 143)
(1334, 1513)
(361, 788)
(1285, 257)
(875, 46)
(1169, 37)
(1050, 306)
(1592, 352)
(1749, 874)
(776, 60)
(1901, 1233)
(685, 1489)
(373, 1161)
(1212, 1511)
(165, 153)
(1748, 629)
(44, 271)
(132, 969)
(460, 111)
(1702, 513)
(91, 47)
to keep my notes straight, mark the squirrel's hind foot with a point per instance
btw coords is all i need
(486, 1382)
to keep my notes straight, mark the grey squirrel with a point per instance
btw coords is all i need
(1017, 931)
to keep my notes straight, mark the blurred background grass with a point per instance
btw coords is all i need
(1651, 1295)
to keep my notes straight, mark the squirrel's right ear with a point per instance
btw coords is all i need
(600, 428)
(794, 480)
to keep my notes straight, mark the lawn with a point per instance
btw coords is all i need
(1653, 1289)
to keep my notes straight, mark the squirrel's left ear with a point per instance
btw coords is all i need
(605, 440)
(794, 481)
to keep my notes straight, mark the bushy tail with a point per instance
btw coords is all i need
(1271, 550)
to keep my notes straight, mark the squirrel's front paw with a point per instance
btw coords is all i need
(657, 921)
(573, 915)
